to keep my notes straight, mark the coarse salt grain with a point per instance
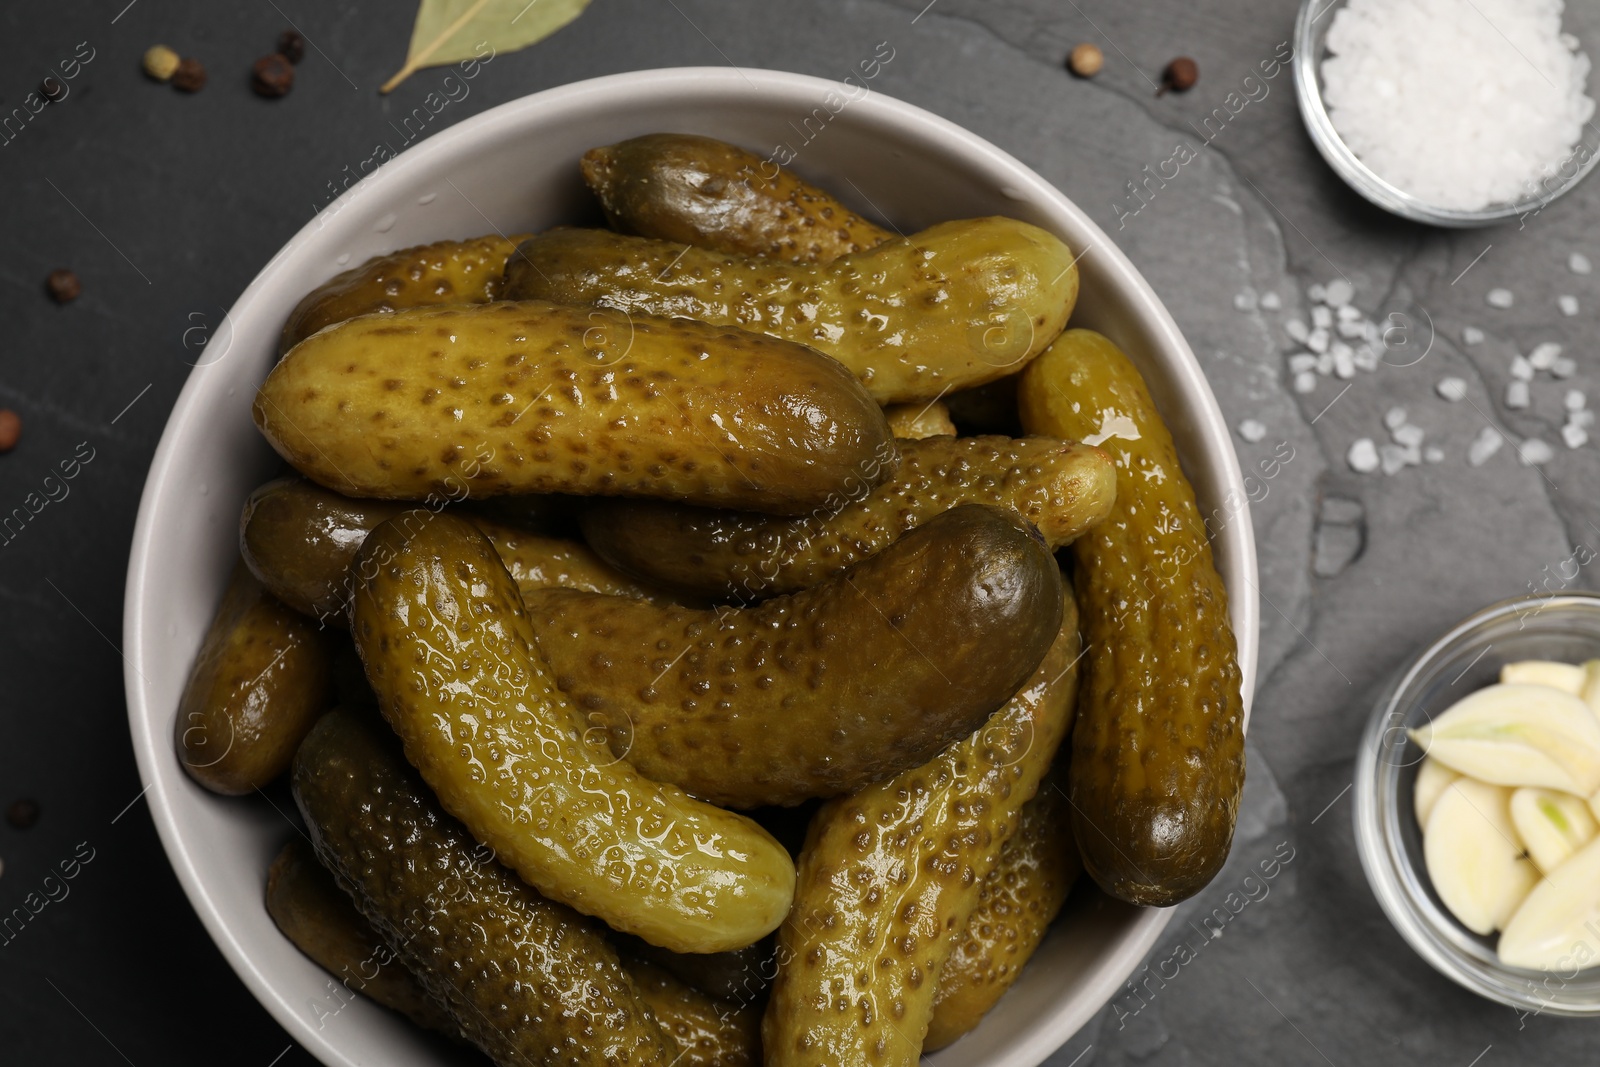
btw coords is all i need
(1316, 293)
(1245, 301)
(1565, 367)
(1252, 430)
(1338, 293)
(1544, 356)
(1297, 330)
(1394, 458)
(1394, 418)
(1305, 382)
(1301, 362)
(1516, 393)
(1471, 335)
(1575, 400)
(1452, 389)
(1578, 263)
(1486, 444)
(1574, 435)
(1363, 456)
(1318, 341)
(1522, 368)
(1271, 301)
(1568, 305)
(1433, 454)
(1501, 298)
(1410, 435)
(1534, 451)
(1429, 95)
(1584, 418)
(1321, 318)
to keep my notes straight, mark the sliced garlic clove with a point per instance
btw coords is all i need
(1518, 735)
(1433, 778)
(1557, 927)
(1552, 825)
(1566, 677)
(1473, 856)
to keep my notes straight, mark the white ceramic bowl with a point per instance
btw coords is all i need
(515, 168)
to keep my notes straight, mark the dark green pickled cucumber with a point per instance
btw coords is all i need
(708, 1032)
(704, 192)
(526, 980)
(311, 910)
(262, 677)
(1158, 750)
(1061, 487)
(820, 692)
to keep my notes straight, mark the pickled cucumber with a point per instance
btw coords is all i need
(707, 193)
(708, 1033)
(518, 974)
(311, 910)
(512, 398)
(262, 677)
(445, 272)
(917, 421)
(447, 647)
(1018, 902)
(891, 875)
(299, 538)
(1060, 487)
(1158, 752)
(954, 306)
(823, 691)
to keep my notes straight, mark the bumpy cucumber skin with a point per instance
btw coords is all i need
(957, 305)
(513, 398)
(1018, 902)
(445, 272)
(710, 194)
(1158, 751)
(821, 692)
(1061, 487)
(526, 980)
(914, 422)
(708, 1032)
(262, 677)
(890, 876)
(445, 641)
(299, 538)
(311, 911)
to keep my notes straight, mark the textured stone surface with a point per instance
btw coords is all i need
(166, 205)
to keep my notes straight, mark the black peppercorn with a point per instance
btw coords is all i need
(272, 76)
(190, 77)
(63, 286)
(292, 46)
(1180, 75)
(52, 89)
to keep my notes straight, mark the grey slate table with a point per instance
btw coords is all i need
(166, 206)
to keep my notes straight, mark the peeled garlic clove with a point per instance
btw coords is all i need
(1473, 856)
(1519, 735)
(1552, 825)
(1557, 926)
(1433, 778)
(1589, 688)
(1566, 677)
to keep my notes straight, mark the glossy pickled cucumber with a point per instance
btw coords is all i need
(708, 1033)
(738, 977)
(954, 306)
(1158, 752)
(312, 911)
(526, 980)
(445, 272)
(1018, 902)
(891, 875)
(710, 194)
(262, 677)
(299, 538)
(1060, 487)
(513, 398)
(823, 691)
(918, 421)
(446, 644)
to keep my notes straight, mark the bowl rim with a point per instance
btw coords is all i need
(1187, 377)
(1381, 855)
(1366, 181)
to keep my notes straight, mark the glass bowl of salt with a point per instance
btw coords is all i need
(1456, 113)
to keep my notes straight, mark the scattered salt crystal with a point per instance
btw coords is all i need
(1584, 418)
(1252, 430)
(1452, 389)
(1271, 301)
(1348, 313)
(1567, 304)
(1245, 301)
(1575, 400)
(1351, 328)
(1393, 458)
(1363, 456)
(1430, 95)
(1471, 335)
(1394, 418)
(1297, 330)
(1316, 293)
(1516, 393)
(1344, 362)
(1501, 298)
(1578, 263)
(1522, 368)
(1301, 362)
(1305, 382)
(1433, 454)
(1318, 341)
(1486, 444)
(1409, 435)
(1564, 367)
(1366, 358)
(1321, 317)
(1339, 292)
(1544, 356)
(1325, 364)
(1574, 435)
(1534, 451)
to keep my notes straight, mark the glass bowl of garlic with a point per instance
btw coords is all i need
(1477, 803)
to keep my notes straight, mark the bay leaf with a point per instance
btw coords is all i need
(448, 31)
